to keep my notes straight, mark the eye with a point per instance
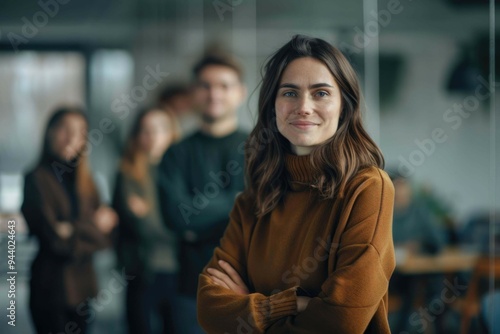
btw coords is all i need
(322, 93)
(289, 94)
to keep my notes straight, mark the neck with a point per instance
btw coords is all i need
(301, 150)
(221, 127)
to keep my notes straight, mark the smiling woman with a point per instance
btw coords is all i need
(63, 211)
(308, 248)
(308, 104)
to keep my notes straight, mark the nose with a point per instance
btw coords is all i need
(214, 93)
(305, 106)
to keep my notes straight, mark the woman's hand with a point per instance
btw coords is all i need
(138, 206)
(229, 278)
(64, 229)
(105, 219)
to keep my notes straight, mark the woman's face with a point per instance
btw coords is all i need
(155, 135)
(308, 104)
(68, 138)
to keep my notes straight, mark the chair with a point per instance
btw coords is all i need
(477, 287)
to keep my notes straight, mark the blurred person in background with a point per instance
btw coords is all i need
(200, 176)
(146, 247)
(441, 210)
(416, 229)
(177, 98)
(308, 248)
(63, 211)
(415, 226)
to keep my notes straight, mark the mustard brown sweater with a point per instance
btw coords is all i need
(338, 251)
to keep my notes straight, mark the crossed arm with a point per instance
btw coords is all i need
(229, 278)
(349, 298)
(65, 239)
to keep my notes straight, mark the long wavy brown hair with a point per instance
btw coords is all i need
(339, 158)
(85, 186)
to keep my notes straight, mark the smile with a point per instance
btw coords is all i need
(303, 125)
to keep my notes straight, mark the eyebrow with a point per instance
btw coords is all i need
(290, 85)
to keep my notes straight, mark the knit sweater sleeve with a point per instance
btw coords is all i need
(222, 311)
(356, 287)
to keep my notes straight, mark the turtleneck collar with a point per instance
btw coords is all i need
(300, 170)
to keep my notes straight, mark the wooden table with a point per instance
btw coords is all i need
(450, 260)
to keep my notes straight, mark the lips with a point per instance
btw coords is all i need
(303, 125)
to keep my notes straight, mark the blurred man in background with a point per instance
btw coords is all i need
(200, 177)
(415, 226)
(416, 229)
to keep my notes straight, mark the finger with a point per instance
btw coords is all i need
(219, 274)
(223, 277)
(219, 282)
(232, 273)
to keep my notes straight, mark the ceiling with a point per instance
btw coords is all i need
(119, 20)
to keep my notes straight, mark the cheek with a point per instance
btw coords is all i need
(162, 139)
(229, 97)
(331, 115)
(281, 117)
(282, 110)
(331, 119)
(200, 96)
(329, 130)
(234, 96)
(82, 135)
(81, 144)
(143, 141)
(58, 139)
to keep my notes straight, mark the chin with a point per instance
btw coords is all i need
(303, 141)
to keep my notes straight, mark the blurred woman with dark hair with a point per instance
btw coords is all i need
(62, 209)
(146, 247)
(308, 248)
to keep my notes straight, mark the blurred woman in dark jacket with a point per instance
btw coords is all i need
(62, 209)
(146, 248)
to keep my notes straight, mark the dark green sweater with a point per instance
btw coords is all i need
(199, 179)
